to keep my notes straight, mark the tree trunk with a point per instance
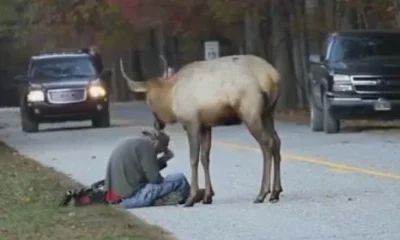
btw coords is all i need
(362, 20)
(304, 51)
(252, 33)
(396, 4)
(249, 32)
(349, 19)
(330, 15)
(282, 53)
(295, 23)
(265, 28)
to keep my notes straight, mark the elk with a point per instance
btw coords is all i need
(227, 91)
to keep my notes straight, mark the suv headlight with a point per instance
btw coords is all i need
(342, 83)
(35, 96)
(97, 91)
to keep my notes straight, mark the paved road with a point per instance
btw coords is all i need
(343, 186)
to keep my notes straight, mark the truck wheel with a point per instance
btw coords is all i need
(331, 125)
(102, 121)
(28, 125)
(316, 118)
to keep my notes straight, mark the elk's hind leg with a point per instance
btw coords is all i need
(276, 154)
(261, 135)
(205, 147)
(193, 134)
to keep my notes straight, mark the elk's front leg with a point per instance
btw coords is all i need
(193, 135)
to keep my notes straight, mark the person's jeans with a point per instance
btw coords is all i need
(146, 195)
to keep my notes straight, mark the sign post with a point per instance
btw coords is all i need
(211, 50)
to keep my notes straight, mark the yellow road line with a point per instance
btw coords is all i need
(338, 167)
(341, 170)
(317, 161)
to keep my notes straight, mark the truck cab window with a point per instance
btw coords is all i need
(325, 48)
(353, 48)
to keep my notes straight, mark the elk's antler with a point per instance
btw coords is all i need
(165, 64)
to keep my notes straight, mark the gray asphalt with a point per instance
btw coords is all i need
(343, 186)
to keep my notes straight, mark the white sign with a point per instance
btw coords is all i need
(211, 50)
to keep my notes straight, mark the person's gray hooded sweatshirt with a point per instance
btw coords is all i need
(132, 164)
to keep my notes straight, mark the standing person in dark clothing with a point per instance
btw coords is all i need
(98, 62)
(133, 173)
(85, 50)
(95, 56)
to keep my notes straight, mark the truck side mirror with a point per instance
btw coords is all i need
(19, 78)
(315, 58)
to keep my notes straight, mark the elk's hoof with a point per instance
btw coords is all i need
(189, 203)
(194, 198)
(261, 197)
(274, 197)
(207, 199)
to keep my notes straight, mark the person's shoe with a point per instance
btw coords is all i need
(173, 198)
(176, 198)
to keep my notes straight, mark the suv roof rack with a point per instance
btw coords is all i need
(60, 51)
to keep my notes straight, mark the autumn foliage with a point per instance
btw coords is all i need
(180, 16)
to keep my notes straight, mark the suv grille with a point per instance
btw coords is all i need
(376, 84)
(62, 96)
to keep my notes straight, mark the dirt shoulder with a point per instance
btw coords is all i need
(30, 194)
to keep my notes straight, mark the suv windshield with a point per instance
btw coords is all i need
(62, 67)
(353, 48)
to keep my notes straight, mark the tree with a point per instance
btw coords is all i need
(282, 31)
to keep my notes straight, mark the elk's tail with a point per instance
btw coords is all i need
(270, 86)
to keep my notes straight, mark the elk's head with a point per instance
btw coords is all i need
(158, 96)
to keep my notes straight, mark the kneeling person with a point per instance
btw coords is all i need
(133, 176)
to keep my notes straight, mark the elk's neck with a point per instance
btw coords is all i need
(160, 99)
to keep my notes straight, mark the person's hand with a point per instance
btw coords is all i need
(168, 154)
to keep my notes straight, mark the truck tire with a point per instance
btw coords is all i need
(316, 118)
(331, 125)
(28, 125)
(102, 121)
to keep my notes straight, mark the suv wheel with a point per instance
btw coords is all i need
(316, 118)
(28, 125)
(331, 125)
(102, 121)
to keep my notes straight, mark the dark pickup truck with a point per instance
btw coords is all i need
(356, 76)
